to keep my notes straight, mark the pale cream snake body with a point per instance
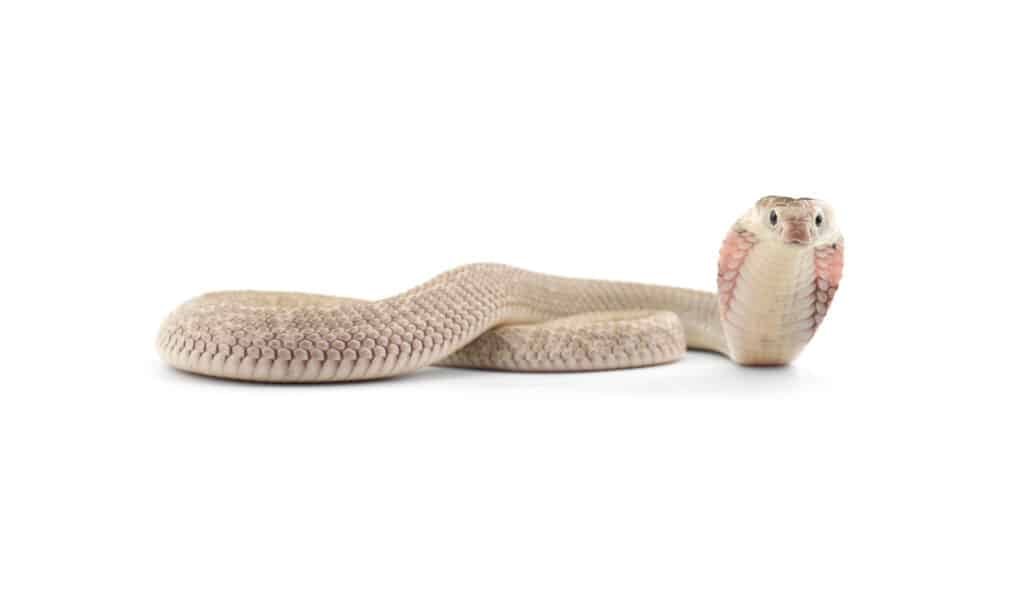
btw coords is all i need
(779, 268)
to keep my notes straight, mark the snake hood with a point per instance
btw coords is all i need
(778, 271)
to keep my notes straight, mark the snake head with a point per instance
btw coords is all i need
(799, 222)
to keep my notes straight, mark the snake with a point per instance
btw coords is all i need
(779, 267)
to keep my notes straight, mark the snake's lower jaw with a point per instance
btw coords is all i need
(773, 295)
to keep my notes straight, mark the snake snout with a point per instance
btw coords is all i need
(797, 232)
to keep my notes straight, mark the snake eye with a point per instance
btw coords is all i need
(819, 219)
(773, 218)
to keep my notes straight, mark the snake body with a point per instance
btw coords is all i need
(779, 268)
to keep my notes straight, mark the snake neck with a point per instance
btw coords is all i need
(772, 296)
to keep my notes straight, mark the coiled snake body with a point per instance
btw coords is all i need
(779, 268)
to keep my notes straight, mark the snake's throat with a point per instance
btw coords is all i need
(773, 296)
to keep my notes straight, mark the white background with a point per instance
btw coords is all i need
(153, 151)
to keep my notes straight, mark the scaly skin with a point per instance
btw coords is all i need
(776, 282)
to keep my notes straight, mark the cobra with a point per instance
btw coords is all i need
(778, 271)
